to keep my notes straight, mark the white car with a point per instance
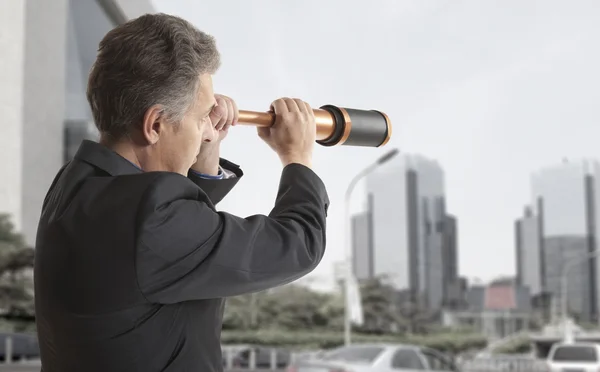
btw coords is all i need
(377, 358)
(574, 357)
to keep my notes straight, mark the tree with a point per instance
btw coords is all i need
(16, 284)
(417, 319)
(388, 310)
(294, 307)
(297, 308)
(289, 307)
(237, 312)
(380, 309)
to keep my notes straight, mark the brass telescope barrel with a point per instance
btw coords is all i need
(337, 125)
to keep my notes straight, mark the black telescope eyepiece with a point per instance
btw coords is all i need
(353, 127)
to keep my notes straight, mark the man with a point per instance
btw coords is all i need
(133, 262)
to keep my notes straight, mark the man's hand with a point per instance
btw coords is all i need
(224, 115)
(293, 134)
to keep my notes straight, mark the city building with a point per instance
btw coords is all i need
(528, 253)
(362, 246)
(43, 74)
(557, 237)
(452, 282)
(495, 310)
(409, 229)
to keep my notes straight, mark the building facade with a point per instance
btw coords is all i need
(558, 238)
(450, 260)
(409, 234)
(496, 310)
(362, 246)
(43, 74)
(528, 252)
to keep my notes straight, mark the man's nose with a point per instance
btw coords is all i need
(210, 134)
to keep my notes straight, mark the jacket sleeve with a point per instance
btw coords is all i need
(217, 189)
(188, 251)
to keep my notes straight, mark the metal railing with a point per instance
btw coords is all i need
(262, 358)
(248, 358)
(503, 364)
(17, 351)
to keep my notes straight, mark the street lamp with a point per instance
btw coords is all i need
(348, 237)
(568, 334)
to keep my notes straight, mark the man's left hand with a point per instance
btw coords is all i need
(224, 115)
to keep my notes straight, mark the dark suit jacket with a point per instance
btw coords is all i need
(132, 268)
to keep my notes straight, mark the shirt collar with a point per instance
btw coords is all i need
(106, 159)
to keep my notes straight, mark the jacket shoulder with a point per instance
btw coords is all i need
(164, 188)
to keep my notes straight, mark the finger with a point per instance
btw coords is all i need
(279, 106)
(302, 106)
(236, 113)
(309, 109)
(230, 114)
(225, 121)
(226, 118)
(218, 115)
(291, 105)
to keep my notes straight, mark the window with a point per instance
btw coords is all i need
(355, 354)
(575, 353)
(407, 359)
(438, 362)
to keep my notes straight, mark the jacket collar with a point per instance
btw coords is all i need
(104, 158)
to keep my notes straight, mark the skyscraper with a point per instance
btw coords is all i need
(43, 74)
(561, 233)
(407, 204)
(529, 255)
(450, 254)
(362, 245)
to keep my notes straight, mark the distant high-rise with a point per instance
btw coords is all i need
(409, 234)
(529, 255)
(562, 231)
(362, 246)
(450, 253)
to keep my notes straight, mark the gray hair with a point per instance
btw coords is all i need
(150, 60)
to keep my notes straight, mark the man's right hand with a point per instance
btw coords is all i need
(293, 134)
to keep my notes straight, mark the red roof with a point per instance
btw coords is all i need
(500, 297)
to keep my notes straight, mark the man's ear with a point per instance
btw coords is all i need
(154, 119)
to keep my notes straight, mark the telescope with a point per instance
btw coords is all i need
(337, 125)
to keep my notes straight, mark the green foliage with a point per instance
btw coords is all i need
(588, 326)
(294, 307)
(16, 281)
(381, 315)
(324, 339)
(297, 317)
(519, 345)
(289, 307)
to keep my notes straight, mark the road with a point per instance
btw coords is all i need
(20, 368)
(35, 367)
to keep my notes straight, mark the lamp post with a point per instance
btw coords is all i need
(348, 237)
(564, 282)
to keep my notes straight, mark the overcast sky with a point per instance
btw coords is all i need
(493, 90)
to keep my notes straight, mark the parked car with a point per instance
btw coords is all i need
(24, 346)
(574, 357)
(262, 355)
(377, 358)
